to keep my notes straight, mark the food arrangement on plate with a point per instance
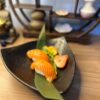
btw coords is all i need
(46, 61)
(45, 65)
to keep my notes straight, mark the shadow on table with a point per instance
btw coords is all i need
(73, 93)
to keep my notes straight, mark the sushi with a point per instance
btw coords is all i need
(37, 54)
(44, 68)
(46, 61)
(61, 60)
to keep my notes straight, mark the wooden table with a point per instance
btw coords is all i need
(86, 83)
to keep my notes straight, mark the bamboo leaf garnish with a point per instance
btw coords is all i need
(45, 88)
(42, 38)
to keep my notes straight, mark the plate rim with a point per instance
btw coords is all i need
(12, 74)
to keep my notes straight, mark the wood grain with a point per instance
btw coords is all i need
(86, 83)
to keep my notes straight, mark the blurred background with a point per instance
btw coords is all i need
(57, 4)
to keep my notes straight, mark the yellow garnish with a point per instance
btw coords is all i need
(2, 21)
(51, 49)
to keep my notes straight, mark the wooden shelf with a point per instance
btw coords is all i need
(73, 16)
(71, 35)
(74, 35)
(30, 6)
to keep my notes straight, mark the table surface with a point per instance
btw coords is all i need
(86, 83)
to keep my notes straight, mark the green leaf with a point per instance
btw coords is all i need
(46, 88)
(42, 38)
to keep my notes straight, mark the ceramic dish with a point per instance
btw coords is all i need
(62, 12)
(63, 28)
(17, 64)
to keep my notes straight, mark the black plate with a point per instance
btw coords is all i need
(18, 64)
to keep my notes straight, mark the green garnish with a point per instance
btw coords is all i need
(42, 38)
(51, 57)
(46, 88)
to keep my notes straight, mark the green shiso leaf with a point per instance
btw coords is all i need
(46, 89)
(42, 38)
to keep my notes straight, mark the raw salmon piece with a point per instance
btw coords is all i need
(61, 60)
(37, 54)
(44, 68)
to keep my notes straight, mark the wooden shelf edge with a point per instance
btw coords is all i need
(31, 6)
(73, 16)
(73, 34)
(69, 38)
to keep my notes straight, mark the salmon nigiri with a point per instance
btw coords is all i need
(44, 68)
(37, 54)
